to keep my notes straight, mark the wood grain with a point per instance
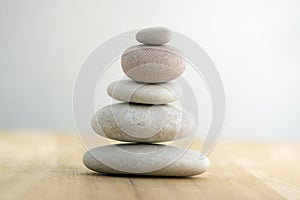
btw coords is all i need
(48, 166)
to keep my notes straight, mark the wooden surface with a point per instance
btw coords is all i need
(48, 166)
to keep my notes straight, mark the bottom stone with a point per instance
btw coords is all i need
(146, 159)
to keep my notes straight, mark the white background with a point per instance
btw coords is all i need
(254, 44)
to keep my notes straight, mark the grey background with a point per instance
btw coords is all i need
(254, 44)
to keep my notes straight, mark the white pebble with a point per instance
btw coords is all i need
(154, 36)
(146, 159)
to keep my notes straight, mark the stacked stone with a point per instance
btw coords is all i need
(147, 115)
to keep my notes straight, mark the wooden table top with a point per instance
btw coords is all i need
(48, 166)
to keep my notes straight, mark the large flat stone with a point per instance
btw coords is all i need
(145, 159)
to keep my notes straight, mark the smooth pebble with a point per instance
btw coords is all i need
(146, 159)
(154, 36)
(153, 64)
(132, 91)
(143, 123)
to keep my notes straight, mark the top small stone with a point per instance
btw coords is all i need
(154, 36)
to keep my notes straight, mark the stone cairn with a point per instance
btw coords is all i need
(147, 115)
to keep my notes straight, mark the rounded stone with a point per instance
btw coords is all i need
(154, 36)
(153, 64)
(132, 91)
(143, 123)
(146, 159)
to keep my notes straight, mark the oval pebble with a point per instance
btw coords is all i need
(153, 64)
(132, 91)
(154, 36)
(146, 159)
(143, 123)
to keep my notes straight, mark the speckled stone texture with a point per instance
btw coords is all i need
(142, 123)
(132, 91)
(153, 64)
(154, 36)
(139, 158)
